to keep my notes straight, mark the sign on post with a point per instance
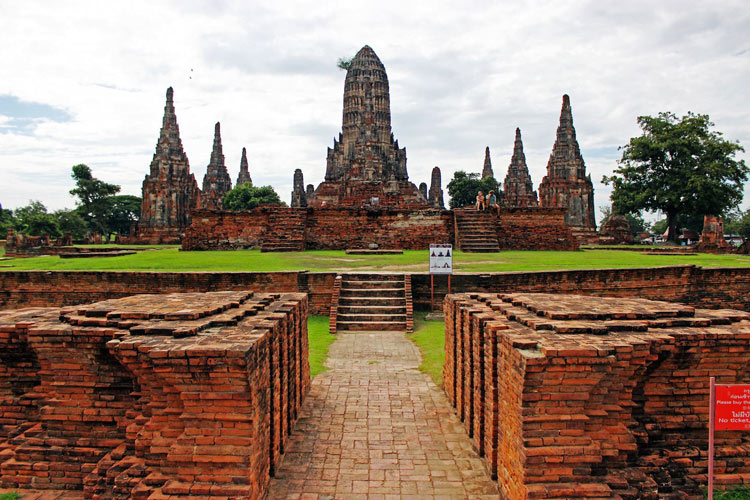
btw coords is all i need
(441, 262)
(729, 410)
(441, 259)
(732, 408)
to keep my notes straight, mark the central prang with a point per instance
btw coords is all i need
(366, 165)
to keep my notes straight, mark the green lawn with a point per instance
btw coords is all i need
(320, 339)
(10, 496)
(738, 493)
(171, 259)
(430, 338)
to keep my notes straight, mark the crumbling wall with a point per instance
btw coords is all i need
(573, 397)
(192, 394)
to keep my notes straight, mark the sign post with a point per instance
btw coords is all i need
(729, 410)
(441, 262)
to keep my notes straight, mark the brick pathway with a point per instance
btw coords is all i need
(373, 426)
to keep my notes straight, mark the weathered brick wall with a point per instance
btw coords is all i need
(710, 288)
(566, 397)
(329, 228)
(325, 228)
(127, 401)
(224, 230)
(534, 228)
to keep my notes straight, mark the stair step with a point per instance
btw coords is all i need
(371, 318)
(370, 326)
(377, 309)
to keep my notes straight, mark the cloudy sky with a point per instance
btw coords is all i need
(85, 82)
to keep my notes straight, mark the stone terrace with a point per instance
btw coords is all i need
(569, 396)
(374, 426)
(180, 395)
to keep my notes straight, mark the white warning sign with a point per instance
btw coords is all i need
(441, 259)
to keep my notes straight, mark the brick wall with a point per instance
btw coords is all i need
(124, 400)
(565, 397)
(325, 228)
(711, 288)
(534, 228)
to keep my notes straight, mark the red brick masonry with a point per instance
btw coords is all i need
(569, 396)
(150, 396)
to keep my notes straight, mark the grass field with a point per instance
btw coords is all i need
(320, 339)
(171, 259)
(430, 338)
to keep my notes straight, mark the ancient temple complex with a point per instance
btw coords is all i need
(566, 184)
(170, 191)
(518, 188)
(216, 182)
(366, 166)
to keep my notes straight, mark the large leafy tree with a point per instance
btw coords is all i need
(246, 197)
(93, 198)
(123, 210)
(463, 188)
(70, 221)
(738, 222)
(34, 220)
(679, 166)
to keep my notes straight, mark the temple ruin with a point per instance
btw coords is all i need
(244, 176)
(366, 164)
(216, 182)
(566, 184)
(487, 167)
(518, 188)
(169, 191)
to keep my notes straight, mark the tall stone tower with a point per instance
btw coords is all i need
(435, 196)
(366, 165)
(518, 188)
(216, 182)
(244, 175)
(169, 190)
(299, 195)
(487, 169)
(566, 184)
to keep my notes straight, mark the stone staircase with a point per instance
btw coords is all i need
(286, 231)
(476, 231)
(373, 302)
(585, 235)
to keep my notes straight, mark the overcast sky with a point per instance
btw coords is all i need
(85, 82)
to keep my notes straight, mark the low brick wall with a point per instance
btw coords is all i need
(124, 397)
(566, 397)
(534, 228)
(710, 288)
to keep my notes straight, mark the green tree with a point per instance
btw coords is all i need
(123, 210)
(463, 188)
(6, 221)
(70, 221)
(247, 197)
(678, 166)
(34, 220)
(93, 198)
(738, 222)
(344, 63)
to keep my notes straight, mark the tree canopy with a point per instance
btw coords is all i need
(678, 166)
(738, 222)
(246, 197)
(463, 188)
(93, 195)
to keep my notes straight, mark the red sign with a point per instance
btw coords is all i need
(732, 408)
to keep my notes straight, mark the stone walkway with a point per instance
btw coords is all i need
(373, 426)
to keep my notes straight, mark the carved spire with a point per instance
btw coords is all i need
(216, 182)
(566, 160)
(487, 170)
(566, 184)
(423, 189)
(518, 188)
(169, 144)
(299, 196)
(435, 196)
(244, 176)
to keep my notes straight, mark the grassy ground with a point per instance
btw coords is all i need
(320, 339)
(738, 493)
(172, 259)
(10, 496)
(430, 338)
